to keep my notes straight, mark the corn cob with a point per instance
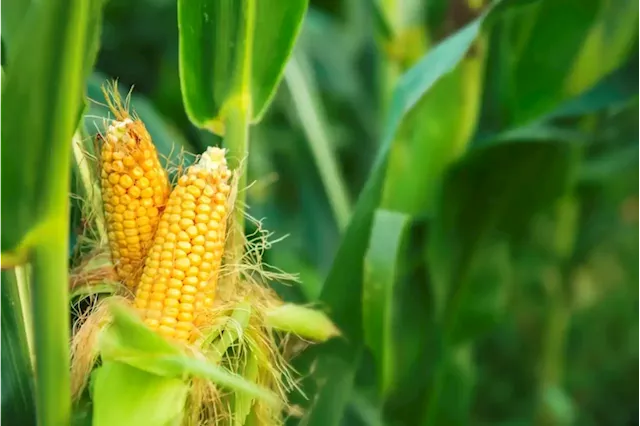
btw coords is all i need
(181, 270)
(135, 189)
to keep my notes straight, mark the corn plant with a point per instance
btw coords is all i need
(319, 213)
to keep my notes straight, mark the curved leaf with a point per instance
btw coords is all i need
(220, 40)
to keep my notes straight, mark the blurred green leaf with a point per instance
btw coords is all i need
(381, 265)
(125, 395)
(307, 104)
(455, 371)
(477, 201)
(342, 291)
(610, 38)
(18, 403)
(342, 288)
(615, 90)
(217, 38)
(552, 59)
(433, 135)
(611, 165)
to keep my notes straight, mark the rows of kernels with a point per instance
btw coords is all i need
(135, 189)
(180, 274)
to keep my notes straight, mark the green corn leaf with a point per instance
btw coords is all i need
(13, 15)
(476, 203)
(433, 135)
(617, 89)
(41, 102)
(381, 266)
(342, 291)
(476, 200)
(17, 376)
(549, 59)
(40, 117)
(127, 396)
(220, 41)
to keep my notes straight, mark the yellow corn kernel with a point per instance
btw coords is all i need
(175, 307)
(127, 157)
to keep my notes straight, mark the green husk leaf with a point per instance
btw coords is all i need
(231, 331)
(125, 395)
(242, 401)
(302, 321)
(129, 341)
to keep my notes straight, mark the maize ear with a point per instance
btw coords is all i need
(135, 189)
(181, 270)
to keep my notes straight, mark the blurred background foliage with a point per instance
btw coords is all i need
(514, 178)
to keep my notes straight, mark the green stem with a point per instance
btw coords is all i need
(50, 305)
(557, 283)
(238, 113)
(237, 143)
(553, 346)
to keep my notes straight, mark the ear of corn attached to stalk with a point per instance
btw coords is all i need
(180, 274)
(135, 189)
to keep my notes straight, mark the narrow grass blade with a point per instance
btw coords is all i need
(303, 91)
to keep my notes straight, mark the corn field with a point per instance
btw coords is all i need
(319, 213)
